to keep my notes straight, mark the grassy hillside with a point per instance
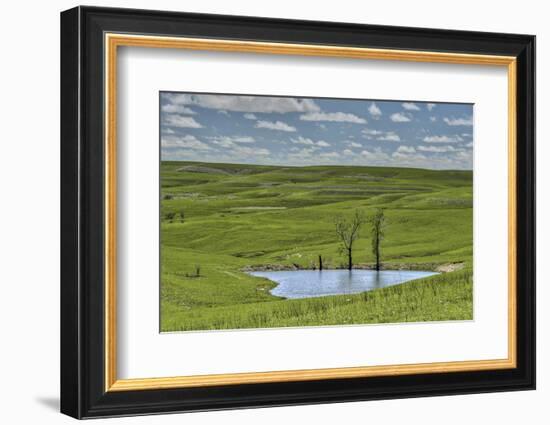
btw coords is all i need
(246, 216)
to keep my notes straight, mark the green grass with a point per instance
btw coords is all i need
(239, 216)
(445, 297)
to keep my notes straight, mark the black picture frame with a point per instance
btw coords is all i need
(82, 219)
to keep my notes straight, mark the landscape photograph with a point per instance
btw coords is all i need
(280, 211)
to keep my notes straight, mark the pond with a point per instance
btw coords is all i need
(315, 283)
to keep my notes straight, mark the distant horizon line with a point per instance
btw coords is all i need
(318, 165)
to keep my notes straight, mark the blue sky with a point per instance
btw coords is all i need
(314, 131)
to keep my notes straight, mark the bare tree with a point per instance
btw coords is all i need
(348, 231)
(377, 223)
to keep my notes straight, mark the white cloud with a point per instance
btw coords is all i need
(347, 152)
(250, 116)
(406, 149)
(470, 145)
(376, 155)
(430, 106)
(303, 141)
(277, 125)
(223, 112)
(433, 119)
(301, 155)
(369, 134)
(399, 117)
(436, 149)
(180, 121)
(410, 159)
(308, 142)
(249, 151)
(243, 139)
(459, 121)
(463, 157)
(333, 116)
(187, 141)
(442, 139)
(375, 111)
(390, 136)
(168, 131)
(244, 103)
(238, 146)
(355, 145)
(170, 108)
(230, 141)
(329, 155)
(409, 106)
(224, 143)
(181, 154)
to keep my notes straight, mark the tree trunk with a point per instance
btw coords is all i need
(349, 259)
(320, 263)
(377, 250)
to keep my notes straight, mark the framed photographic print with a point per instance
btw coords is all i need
(261, 212)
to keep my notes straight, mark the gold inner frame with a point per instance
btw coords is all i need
(113, 41)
